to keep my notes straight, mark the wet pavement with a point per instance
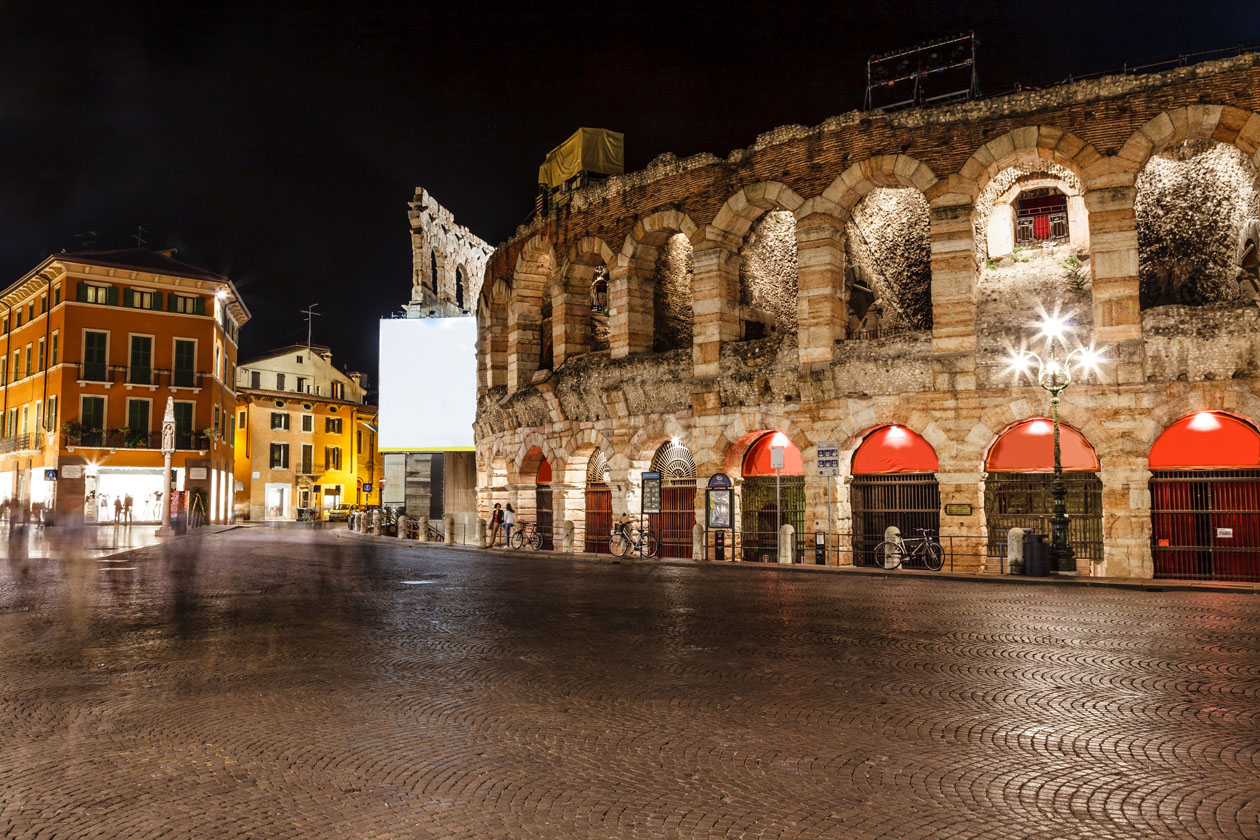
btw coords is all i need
(271, 683)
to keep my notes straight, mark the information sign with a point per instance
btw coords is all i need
(776, 457)
(1224, 533)
(72, 471)
(720, 480)
(957, 510)
(651, 493)
(829, 458)
(50, 475)
(718, 504)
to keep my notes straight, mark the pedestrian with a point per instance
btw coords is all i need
(127, 503)
(496, 519)
(117, 509)
(509, 519)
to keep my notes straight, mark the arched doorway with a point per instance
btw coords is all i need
(894, 483)
(674, 523)
(1019, 473)
(1205, 499)
(543, 504)
(768, 502)
(599, 513)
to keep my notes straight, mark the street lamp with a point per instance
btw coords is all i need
(1054, 375)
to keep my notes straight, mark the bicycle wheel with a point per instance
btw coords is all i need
(934, 557)
(618, 544)
(648, 545)
(517, 539)
(889, 555)
(535, 540)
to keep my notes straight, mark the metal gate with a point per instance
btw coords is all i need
(1024, 500)
(599, 518)
(673, 525)
(543, 501)
(1205, 524)
(906, 500)
(759, 523)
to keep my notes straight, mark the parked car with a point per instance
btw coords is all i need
(341, 513)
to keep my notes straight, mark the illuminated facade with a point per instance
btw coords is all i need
(93, 345)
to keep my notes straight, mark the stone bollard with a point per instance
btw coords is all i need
(376, 523)
(1015, 551)
(566, 541)
(698, 551)
(448, 522)
(787, 545)
(481, 533)
(402, 527)
(423, 529)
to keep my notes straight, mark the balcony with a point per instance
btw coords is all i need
(310, 468)
(148, 376)
(116, 439)
(25, 442)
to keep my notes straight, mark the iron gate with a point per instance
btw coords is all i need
(906, 500)
(543, 502)
(599, 518)
(759, 523)
(673, 524)
(1205, 524)
(1024, 500)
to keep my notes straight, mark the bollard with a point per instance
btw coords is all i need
(482, 528)
(787, 545)
(448, 522)
(566, 539)
(697, 543)
(422, 530)
(1015, 551)
(376, 523)
(402, 527)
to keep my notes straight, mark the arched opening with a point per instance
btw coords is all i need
(599, 512)
(1019, 474)
(672, 319)
(770, 499)
(433, 271)
(599, 330)
(1041, 216)
(546, 353)
(894, 484)
(1249, 264)
(543, 504)
(459, 287)
(1193, 204)
(768, 278)
(673, 525)
(1205, 499)
(889, 255)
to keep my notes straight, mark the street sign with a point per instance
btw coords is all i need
(651, 493)
(50, 475)
(829, 458)
(776, 457)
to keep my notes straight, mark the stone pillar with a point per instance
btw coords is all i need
(1126, 519)
(822, 310)
(630, 307)
(376, 523)
(787, 545)
(1114, 266)
(961, 481)
(402, 528)
(953, 298)
(1078, 223)
(567, 539)
(1000, 233)
(423, 527)
(448, 523)
(1015, 551)
(483, 534)
(697, 539)
(571, 315)
(715, 291)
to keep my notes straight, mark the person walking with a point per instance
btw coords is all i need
(127, 503)
(496, 519)
(509, 519)
(117, 509)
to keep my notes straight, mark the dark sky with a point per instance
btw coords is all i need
(279, 144)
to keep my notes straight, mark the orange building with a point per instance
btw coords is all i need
(93, 345)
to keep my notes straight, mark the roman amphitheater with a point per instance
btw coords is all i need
(863, 281)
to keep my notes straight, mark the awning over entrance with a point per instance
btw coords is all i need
(757, 460)
(894, 449)
(1028, 446)
(1207, 440)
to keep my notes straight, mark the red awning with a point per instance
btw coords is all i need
(1207, 440)
(544, 472)
(757, 460)
(894, 449)
(1028, 446)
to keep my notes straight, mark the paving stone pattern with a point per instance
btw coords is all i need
(271, 684)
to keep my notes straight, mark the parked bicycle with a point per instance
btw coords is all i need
(626, 539)
(893, 553)
(526, 533)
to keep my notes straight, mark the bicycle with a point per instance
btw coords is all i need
(524, 532)
(626, 538)
(892, 553)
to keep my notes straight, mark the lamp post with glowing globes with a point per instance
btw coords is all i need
(1054, 374)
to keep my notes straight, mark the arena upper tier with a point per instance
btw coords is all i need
(862, 282)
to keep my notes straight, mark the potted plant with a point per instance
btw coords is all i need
(72, 431)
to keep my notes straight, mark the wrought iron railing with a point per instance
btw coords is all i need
(119, 439)
(132, 375)
(25, 441)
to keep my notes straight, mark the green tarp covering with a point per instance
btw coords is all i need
(588, 150)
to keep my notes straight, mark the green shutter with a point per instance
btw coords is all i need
(82, 292)
(129, 298)
(157, 301)
(111, 296)
(201, 305)
(170, 302)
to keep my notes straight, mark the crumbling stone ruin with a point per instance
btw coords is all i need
(864, 281)
(448, 261)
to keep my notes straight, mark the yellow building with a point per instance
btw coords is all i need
(305, 439)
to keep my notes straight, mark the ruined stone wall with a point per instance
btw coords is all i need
(457, 253)
(671, 293)
(888, 241)
(767, 273)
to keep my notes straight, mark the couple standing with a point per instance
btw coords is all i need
(500, 517)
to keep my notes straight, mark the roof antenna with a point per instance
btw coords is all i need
(310, 315)
(139, 236)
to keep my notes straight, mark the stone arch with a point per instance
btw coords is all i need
(492, 333)
(1218, 123)
(529, 280)
(880, 171)
(648, 311)
(578, 450)
(576, 327)
(529, 454)
(1031, 145)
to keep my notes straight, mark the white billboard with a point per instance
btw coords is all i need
(428, 396)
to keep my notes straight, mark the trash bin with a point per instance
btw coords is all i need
(1036, 554)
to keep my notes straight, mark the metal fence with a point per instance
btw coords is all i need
(1025, 500)
(907, 501)
(1205, 524)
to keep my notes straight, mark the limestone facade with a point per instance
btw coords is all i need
(835, 373)
(448, 261)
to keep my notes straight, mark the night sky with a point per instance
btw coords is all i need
(279, 144)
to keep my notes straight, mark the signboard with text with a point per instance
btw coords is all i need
(651, 493)
(829, 458)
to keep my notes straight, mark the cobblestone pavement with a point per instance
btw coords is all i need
(287, 684)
